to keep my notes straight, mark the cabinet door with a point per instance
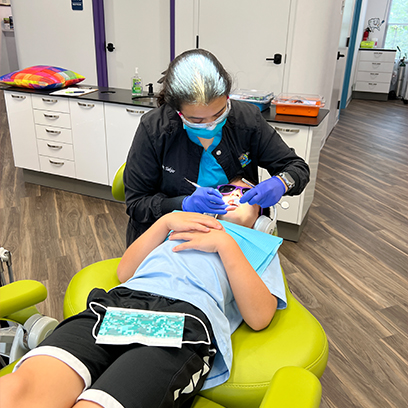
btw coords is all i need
(145, 45)
(290, 209)
(22, 130)
(242, 35)
(88, 134)
(121, 124)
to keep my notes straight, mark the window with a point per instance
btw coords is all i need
(397, 27)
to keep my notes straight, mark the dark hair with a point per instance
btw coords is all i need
(194, 77)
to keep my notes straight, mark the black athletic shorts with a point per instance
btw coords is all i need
(135, 375)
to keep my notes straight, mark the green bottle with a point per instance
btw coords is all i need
(137, 84)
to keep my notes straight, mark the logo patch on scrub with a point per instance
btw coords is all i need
(244, 159)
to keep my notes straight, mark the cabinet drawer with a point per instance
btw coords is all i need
(295, 137)
(52, 118)
(374, 76)
(379, 56)
(380, 87)
(60, 167)
(49, 102)
(375, 66)
(53, 134)
(55, 149)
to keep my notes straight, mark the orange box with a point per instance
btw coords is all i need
(298, 105)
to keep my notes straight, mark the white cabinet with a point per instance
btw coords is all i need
(373, 74)
(22, 131)
(121, 122)
(88, 132)
(54, 136)
(305, 140)
(71, 137)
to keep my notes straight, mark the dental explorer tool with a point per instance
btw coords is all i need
(192, 183)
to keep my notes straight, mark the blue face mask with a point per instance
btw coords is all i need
(205, 133)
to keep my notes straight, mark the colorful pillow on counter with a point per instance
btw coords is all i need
(42, 77)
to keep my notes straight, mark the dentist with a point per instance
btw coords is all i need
(199, 135)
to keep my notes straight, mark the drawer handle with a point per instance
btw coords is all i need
(47, 100)
(54, 147)
(86, 105)
(56, 163)
(51, 116)
(279, 129)
(134, 111)
(53, 132)
(18, 96)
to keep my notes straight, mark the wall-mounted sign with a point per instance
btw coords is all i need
(77, 4)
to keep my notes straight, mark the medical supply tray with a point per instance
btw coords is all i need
(300, 105)
(262, 99)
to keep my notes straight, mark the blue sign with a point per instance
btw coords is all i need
(77, 4)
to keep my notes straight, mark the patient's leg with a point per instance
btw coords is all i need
(41, 381)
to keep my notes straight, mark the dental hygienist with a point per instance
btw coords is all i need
(199, 135)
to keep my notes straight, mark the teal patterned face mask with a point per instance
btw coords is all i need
(126, 326)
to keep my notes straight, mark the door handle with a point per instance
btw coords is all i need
(277, 59)
(110, 47)
(339, 55)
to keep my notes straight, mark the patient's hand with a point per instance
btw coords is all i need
(190, 221)
(210, 241)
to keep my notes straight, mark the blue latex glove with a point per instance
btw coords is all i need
(205, 200)
(265, 194)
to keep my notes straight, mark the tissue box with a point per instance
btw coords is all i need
(367, 44)
(261, 99)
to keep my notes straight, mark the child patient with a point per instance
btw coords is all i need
(206, 273)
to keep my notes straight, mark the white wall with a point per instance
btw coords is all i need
(377, 9)
(8, 52)
(51, 33)
(316, 36)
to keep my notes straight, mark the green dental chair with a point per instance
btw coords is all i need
(18, 305)
(279, 366)
(276, 367)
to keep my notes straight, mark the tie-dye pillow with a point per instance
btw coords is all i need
(42, 77)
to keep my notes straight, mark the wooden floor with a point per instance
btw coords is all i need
(349, 267)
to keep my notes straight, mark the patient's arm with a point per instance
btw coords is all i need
(157, 233)
(255, 302)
